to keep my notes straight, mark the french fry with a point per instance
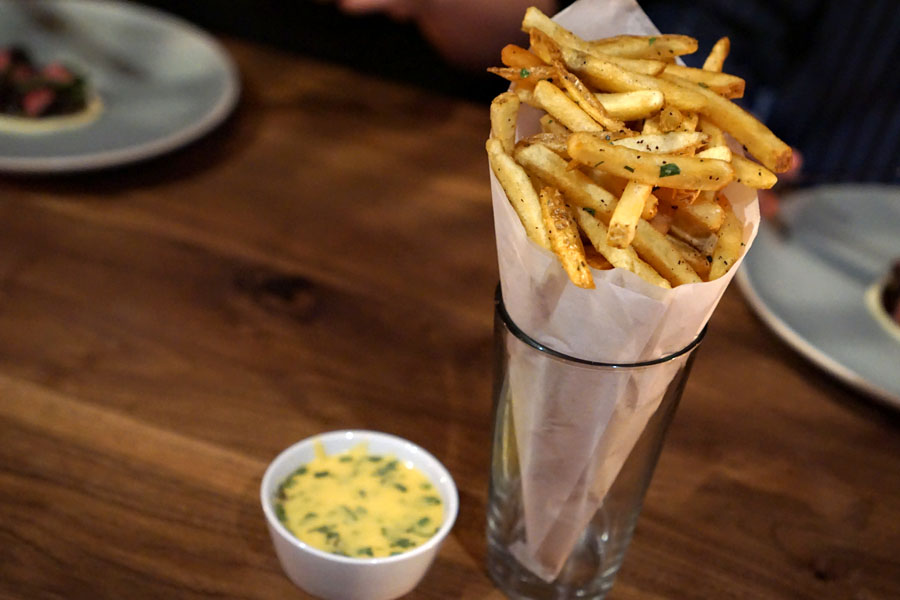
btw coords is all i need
(640, 46)
(576, 59)
(564, 239)
(663, 143)
(519, 191)
(504, 115)
(730, 86)
(587, 100)
(535, 19)
(744, 127)
(518, 57)
(555, 142)
(563, 109)
(625, 217)
(717, 55)
(631, 106)
(672, 171)
(730, 245)
(651, 207)
(655, 249)
(716, 135)
(609, 77)
(670, 119)
(595, 260)
(699, 262)
(524, 76)
(625, 258)
(720, 153)
(752, 174)
(541, 162)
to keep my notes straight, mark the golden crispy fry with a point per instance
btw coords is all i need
(525, 75)
(541, 162)
(699, 262)
(651, 207)
(651, 125)
(716, 135)
(587, 100)
(625, 258)
(545, 47)
(631, 106)
(576, 60)
(730, 86)
(653, 247)
(717, 55)
(639, 46)
(678, 172)
(752, 174)
(504, 116)
(670, 119)
(609, 77)
(555, 142)
(535, 19)
(744, 127)
(595, 260)
(719, 153)
(563, 109)
(730, 245)
(623, 224)
(519, 191)
(518, 57)
(663, 143)
(689, 123)
(564, 239)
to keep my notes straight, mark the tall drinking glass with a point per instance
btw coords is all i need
(578, 558)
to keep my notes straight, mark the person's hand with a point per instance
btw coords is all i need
(468, 33)
(769, 200)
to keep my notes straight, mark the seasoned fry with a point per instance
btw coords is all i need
(631, 106)
(504, 115)
(519, 191)
(527, 76)
(655, 249)
(670, 119)
(595, 260)
(576, 59)
(663, 143)
(717, 55)
(699, 262)
(678, 172)
(744, 127)
(557, 143)
(535, 19)
(543, 163)
(626, 258)
(623, 224)
(587, 100)
(564, 239)
(564, 109)
(752, 174)
(518, 57)
(727, 85)
(716, 135)
(640, 46)
(730, 245)
(719, 153)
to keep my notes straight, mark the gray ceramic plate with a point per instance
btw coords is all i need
(164, 83)
(815, 282)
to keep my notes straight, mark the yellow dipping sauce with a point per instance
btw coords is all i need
(359, 505)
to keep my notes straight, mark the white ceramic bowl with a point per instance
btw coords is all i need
(334, 577)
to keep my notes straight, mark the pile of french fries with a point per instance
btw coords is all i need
(629, 166)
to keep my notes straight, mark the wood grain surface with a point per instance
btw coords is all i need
(326, 260)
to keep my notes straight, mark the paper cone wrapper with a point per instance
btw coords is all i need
(574, 433)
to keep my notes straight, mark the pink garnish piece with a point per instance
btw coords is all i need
(58, 73)
(36, 101)
(22, 73)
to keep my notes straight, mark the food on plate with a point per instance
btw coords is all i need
(633, 154)
(890, 296)
(35, 99)
(359, 505)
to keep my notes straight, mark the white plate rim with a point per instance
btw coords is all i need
(796, 341)
(156, 147)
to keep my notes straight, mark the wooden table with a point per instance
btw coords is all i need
(326, 260)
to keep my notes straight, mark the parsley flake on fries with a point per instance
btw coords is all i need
(633, 153)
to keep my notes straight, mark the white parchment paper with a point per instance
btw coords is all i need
(574, 433)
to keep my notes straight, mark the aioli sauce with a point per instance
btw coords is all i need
(359, 505)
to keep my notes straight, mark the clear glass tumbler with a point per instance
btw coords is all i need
(589, 548)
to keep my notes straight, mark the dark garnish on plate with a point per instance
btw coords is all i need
(29, 90)
(890, 295)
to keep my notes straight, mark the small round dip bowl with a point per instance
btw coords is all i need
(334, 577)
